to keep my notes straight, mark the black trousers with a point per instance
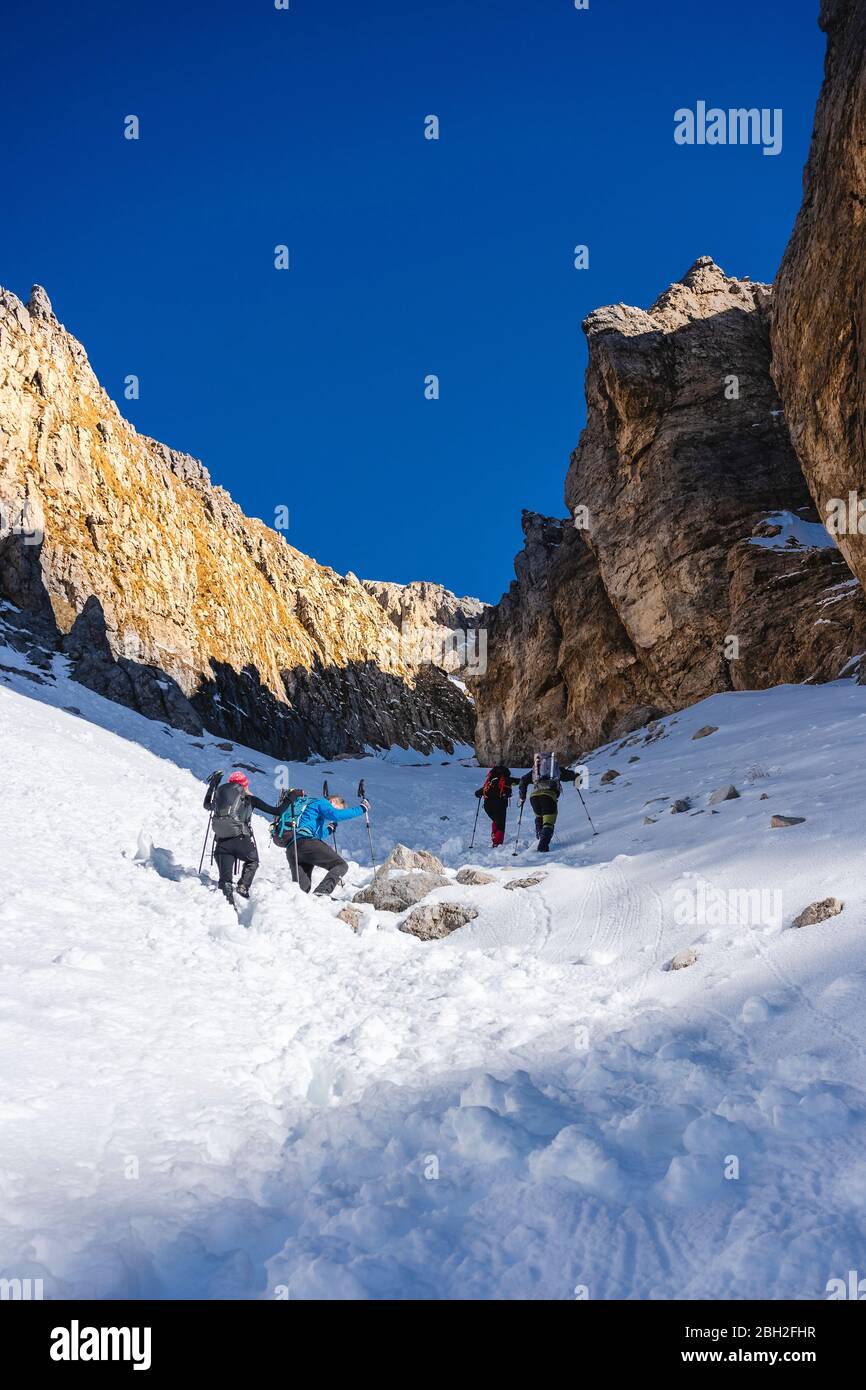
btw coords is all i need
(242, 847)
(315, 854)
(545, 808)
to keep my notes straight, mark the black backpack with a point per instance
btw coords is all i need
(497, 784)
(229, 811)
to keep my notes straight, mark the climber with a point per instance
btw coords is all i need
(310, 818)
(496, 794)
(231, 807)
(546, 778)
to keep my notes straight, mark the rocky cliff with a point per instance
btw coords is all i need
(561, 671)
(422, 605)
(819, 321)
(122, 554)
(694, 562)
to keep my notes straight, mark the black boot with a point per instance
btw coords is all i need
(228, 890)
(331, 880)
(326, 887)
(544, 839)
(242, 890)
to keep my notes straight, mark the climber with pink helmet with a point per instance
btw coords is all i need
(231, 806)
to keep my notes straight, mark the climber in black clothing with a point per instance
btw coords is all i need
(497, 793)
(546, 778)
(232, 805)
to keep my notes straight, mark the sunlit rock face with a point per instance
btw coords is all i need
(166, 597)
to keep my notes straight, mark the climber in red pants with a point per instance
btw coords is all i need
(496, 793)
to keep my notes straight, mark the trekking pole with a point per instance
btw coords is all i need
(333, 829)
(207, 832)
(583, 804)
(362, 796)
(204, 846)
(294, 824)
(517, 837)
(475, 826)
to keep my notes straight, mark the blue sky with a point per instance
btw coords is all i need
(305, 388)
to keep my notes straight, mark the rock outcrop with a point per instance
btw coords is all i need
(433, 921)
(685, 457)
(406, 877)
(561, 671)
(694, 562)
(431, 626)
(422, 609)
(819, 319)
(166, 597)
(818, 912)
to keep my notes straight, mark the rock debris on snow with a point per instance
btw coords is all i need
(818, 912)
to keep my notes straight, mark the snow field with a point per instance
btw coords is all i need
(193, 1106)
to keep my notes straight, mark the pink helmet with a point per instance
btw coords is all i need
(240, 777)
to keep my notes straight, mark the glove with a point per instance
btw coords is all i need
(365, 805)
(480, 791)
(332, 828)
(215, 776)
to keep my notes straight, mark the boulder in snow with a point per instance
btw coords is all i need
(684, 804)
(525, 882)
(705, 731)
(435, 920)
(474, 878)
(351, 916)
(780, 822)
(609, 776)
(818, 912)
(402, 857)
(394, 892)
(683, 959)
(723, 794)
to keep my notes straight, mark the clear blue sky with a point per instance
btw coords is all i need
(408, 256)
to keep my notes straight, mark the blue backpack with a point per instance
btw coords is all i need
(282, 827)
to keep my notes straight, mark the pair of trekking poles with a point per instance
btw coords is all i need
(362, 796)
(520, 819)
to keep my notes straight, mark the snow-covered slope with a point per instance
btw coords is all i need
(534, 1107)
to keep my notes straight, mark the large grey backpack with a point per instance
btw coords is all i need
(229, 811)
(545, 772)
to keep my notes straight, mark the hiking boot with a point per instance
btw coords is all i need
(242, 890)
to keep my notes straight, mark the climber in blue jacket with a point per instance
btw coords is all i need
(313, 817)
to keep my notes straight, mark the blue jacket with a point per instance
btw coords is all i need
(318, 814)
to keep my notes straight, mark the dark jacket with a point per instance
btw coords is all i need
(494, 795)
(247, 805)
